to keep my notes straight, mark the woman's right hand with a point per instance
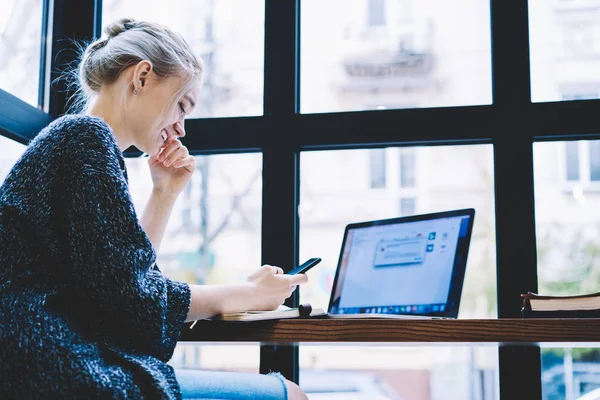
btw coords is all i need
(270, 287)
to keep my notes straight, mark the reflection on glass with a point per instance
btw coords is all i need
(20, 46)
(227, 34)
(384, 54)
(213, 237)
(564, 49)
(567, 217)
(336, 190)
(570, 374)
(11, 151)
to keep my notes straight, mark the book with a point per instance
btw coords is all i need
(304, 311)
(577, 306)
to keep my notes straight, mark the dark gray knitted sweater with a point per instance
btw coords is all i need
(85, 312)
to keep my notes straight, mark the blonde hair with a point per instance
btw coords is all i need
(127, 42)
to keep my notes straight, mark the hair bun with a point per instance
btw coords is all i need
(119, 26)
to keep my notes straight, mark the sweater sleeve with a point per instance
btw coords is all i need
(123, 300)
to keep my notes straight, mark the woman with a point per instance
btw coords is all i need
(86, 312)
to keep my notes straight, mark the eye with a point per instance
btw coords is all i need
(181, 109)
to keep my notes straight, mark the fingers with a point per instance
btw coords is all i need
(275, 270)
(188, 163)
(171, 146)
(175, 155)
(298, 279)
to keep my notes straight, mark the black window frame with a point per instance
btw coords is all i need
(512, 123)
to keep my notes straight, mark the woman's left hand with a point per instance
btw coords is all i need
(173, 167)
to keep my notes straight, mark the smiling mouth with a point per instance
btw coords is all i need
(164, 135)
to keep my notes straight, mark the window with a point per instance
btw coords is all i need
(11, 151)
(408, 206)
(377, 168)
(582, 162)
(376, 12)
(572, 157)
(219, 211)
(407, 167)
(568, 233)
(570, 373)
(331, 196)
(567, 222)
(228, 35)
(564, 50)
(376, 54)
(20, 48)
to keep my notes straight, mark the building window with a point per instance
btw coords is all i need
(582, 161)
(408, 206)
(376, 13)
(407, 167)
(594, 160)
(377, 168)
(572, 160)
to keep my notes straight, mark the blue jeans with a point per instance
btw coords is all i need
(218, 385)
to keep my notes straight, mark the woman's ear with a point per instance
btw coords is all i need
(140, 74)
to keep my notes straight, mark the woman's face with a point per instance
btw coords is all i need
(155, 115)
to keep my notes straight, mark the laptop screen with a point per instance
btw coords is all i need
(412, 265)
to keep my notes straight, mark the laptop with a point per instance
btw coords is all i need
(412, 267)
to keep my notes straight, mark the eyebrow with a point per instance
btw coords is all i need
(188, 97)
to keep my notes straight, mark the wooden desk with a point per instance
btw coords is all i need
(501, 331)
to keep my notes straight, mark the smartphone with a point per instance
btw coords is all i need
(302, 268)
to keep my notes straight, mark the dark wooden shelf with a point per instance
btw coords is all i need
(502, 331)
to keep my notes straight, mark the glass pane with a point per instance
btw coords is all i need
(379, 54)
(220, 211)
(567, 224)
(228, 35)
(335, 190)
(20, 46)
(564, 38)
(570, 373)
(11, 151)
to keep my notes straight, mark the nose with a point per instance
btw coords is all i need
(180, 132)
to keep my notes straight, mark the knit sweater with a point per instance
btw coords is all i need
(85, 311)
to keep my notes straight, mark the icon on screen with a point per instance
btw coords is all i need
(442, 307)
(432, 236)
(429, 248)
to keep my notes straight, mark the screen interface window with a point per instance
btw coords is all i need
(398, 268)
